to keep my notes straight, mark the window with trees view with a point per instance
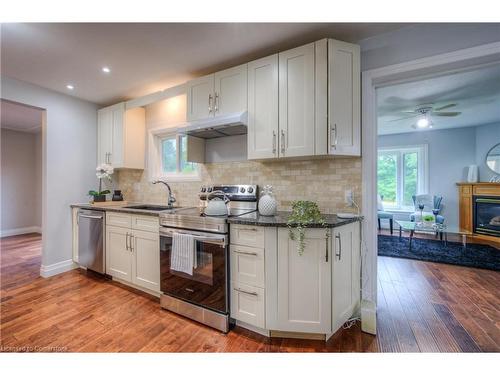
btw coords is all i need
(401, 173)
(174, 157)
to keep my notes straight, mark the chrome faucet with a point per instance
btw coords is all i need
(170, 199)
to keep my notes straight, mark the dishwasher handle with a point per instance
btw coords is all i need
(91, 216)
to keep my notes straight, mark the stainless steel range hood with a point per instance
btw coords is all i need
(217, 127)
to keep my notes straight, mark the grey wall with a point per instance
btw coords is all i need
(424, 40)
(487, 136)
(20, 183)
(451, 151)
(69, 155)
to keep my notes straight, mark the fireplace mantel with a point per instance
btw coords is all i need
(467, 191)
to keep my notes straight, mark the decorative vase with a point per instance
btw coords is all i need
(100, 198)
(267, 202)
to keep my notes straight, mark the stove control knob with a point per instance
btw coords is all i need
(209, 189)
(250, 190)
(203, 189)
(242, 190)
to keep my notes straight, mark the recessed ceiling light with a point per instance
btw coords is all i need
(70, 87)
(423, 123)
(105, 69)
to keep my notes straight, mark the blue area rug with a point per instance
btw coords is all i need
(475, 255)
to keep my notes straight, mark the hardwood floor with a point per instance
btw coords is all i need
(423, 306)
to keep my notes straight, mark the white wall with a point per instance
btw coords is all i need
(20, 183)
(69, 155)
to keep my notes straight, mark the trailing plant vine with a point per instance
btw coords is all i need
(304, 213)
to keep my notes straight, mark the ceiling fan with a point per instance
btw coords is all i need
(425, 111)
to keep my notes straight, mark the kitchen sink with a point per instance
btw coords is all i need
(149, 207)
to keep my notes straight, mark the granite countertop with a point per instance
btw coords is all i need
(120, 208)
(281, 218)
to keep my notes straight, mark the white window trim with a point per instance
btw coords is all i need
(423, 173)
(154, 164)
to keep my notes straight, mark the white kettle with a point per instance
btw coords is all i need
(217, 206)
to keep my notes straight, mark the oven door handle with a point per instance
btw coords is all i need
(216, 239)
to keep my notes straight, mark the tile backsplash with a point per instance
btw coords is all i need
(320, 180)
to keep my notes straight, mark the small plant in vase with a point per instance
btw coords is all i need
(102, 171)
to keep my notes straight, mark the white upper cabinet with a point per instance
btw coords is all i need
(230, 91)
(263, 108)
(200, 98)
(318, 106)
(296, 101)
(344, 99)
(121, 136)
(217, 94)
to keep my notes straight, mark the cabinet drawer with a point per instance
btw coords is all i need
(118, 219)
(247, 304)
(247, 265)
(146, 223)
(247, 235)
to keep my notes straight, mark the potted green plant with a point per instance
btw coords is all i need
(102, 171)
(304, 214)
(428, 220)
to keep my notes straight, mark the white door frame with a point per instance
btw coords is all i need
(371, 80)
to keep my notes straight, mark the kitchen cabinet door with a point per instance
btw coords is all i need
(303, 284)
(344, 76)
(230, 91)
(118, 255)
(297, 101)
(117, 152)
(104, 135)
(263, 104)
(200, 98)
(146, 259)
(346, 273)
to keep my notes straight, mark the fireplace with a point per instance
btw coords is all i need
(487, 215)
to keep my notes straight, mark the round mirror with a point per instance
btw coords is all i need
(493, 159)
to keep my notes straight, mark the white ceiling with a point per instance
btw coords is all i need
(20, 117)
(146, 58)
(476, 93)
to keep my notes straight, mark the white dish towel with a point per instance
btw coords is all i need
(183, 255)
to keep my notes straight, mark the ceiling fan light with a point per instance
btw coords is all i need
(423, 123)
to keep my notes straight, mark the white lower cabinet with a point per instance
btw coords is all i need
(118, 255)
(302, 298)
(346, 280)
(133, 255)
(248, 304)
(146, 259)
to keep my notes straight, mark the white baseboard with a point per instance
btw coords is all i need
(18, 231)
(56, 268)
(261, 331)
(368, 317)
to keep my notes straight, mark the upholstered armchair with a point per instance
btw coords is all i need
(430, 203)
(381, 214)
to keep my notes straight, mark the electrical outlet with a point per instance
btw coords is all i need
(348, 198)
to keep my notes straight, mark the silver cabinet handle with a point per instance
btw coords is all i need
(282, 141)
(109, 157)
(339, 254)
(326, 249)
(334, 131)
(274, 142)
(126, 242)
(245, 292)
(245, 253)
(209, 103)
(131, 243)
(216, 100)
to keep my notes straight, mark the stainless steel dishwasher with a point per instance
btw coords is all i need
(91, 248)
